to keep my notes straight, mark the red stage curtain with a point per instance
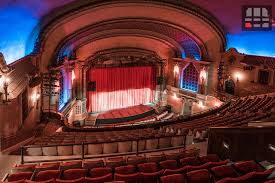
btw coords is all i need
(120, 87)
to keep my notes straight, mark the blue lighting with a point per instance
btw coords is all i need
(65, 91)
(16, 27)
(253, 43)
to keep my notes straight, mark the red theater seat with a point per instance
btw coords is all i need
(126, 173)
(115, 162)
(220, 163)
(71, 165)
(74, 174)
(176, 178)
(169, 164)
(189, 161)
(247, 178)
(209, 158)
(99, 172)
(105, 178)
(24, 168)
(149, 172)
(47, 181)
(80, 180)
(245, 167)
(223, 171)
(199, 176)
(135, 160)
(93, 164)
(46, 175)
(20, 176)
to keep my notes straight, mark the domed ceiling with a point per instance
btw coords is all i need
(20, 20)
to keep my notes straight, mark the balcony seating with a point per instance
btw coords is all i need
(126, 173)
(209, 158)
(99, 172)
(135, 160)
(115, 162)
(90, 164)
(189, 161)
(47, 166)
(23, 168)
(47, 175)
(174, 156)
(74, 174)
(155, 158)
(169, 164)
(175, 178)
(223, 171)
(135, 170)
(104, 178)
(79, 180)
(247, 178)
(199, 176)
(19, 176)
(246, 167)
(71, 165)
(149, 172)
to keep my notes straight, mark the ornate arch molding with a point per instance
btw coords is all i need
(56, 26)
(124, 57)
(181, 39)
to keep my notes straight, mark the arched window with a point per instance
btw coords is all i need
(189, 78)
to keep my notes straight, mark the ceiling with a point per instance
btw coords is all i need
(19, 17)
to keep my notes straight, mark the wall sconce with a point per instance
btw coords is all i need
(225, 145)
(238, 76)
(203, 74)
(201, 105)
(271, 147)
(176, 72)
(4, 82)
(35, 97)
(176, 69)
(73, 76)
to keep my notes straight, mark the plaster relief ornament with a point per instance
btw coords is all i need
(4, 69)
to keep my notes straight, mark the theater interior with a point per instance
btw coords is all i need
(168, 91)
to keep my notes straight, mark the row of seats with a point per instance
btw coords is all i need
(206, 169)
(163, 141)
(113, 162)
(238, 113)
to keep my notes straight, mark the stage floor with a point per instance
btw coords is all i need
(125, 114)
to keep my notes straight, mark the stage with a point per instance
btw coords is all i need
(124, 114)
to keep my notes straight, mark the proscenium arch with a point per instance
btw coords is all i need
(143, 27)
(163, 49)
(205, 29)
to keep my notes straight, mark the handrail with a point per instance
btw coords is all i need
(83, 156)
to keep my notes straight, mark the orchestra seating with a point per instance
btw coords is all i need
(137, 168)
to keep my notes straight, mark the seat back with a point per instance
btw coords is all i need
(169, 164)
(74, 174)
(199, 176)
(175, 178)
(223, 171)
(148, 167)
(99, 172)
